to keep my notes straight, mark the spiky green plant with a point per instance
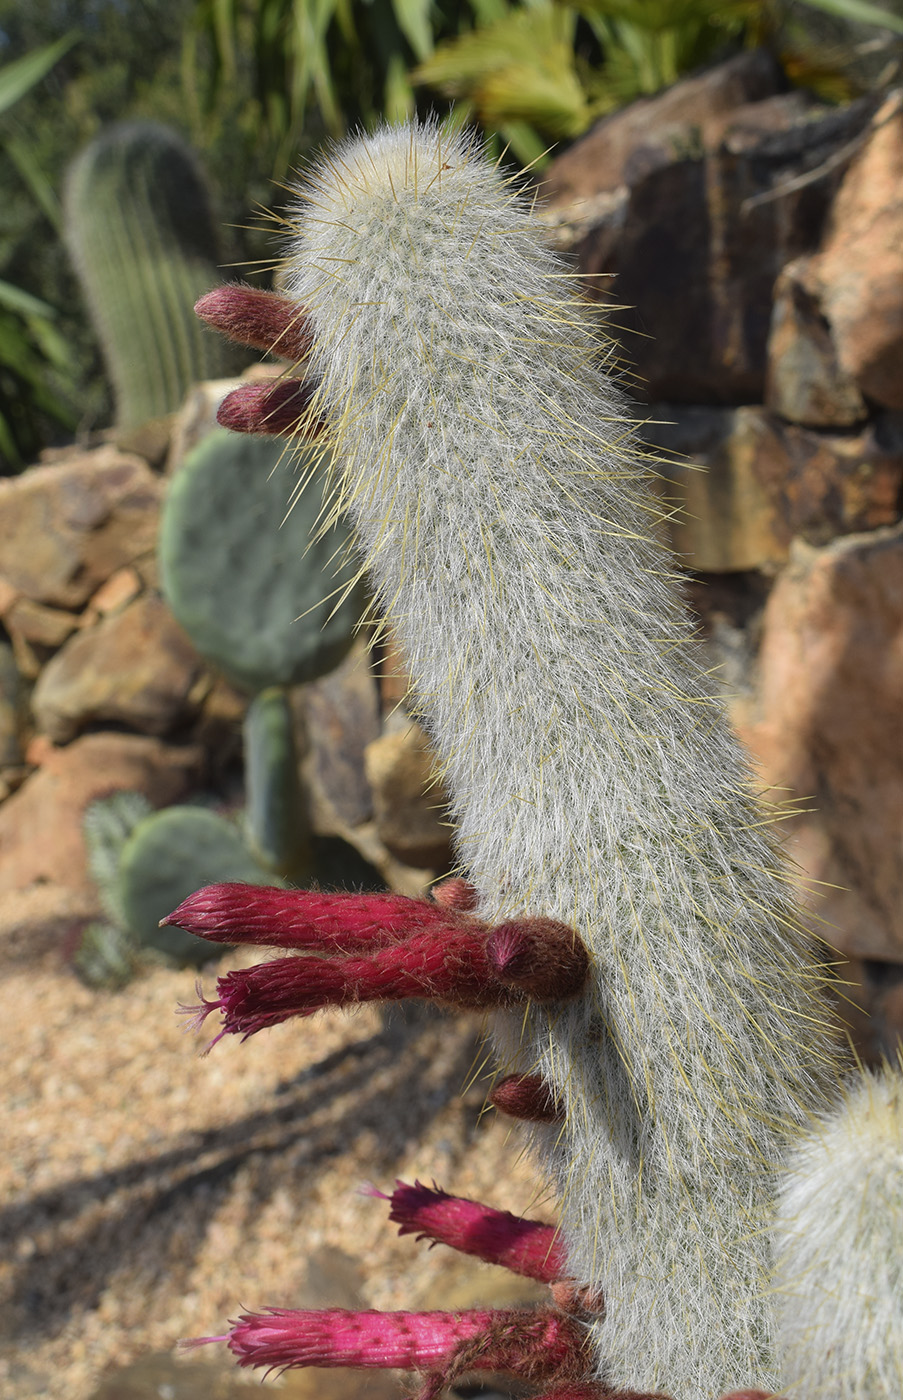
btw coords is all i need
(675, 1047)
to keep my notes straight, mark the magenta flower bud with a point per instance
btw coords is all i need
(272, 407)
(528, 1097)
(526, 1247)
(535, 1345)
(309, 919)
(456, 893)
(541, 957)
(263, 320)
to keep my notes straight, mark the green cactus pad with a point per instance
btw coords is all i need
(247, 582)
(106, 826)
(168, 856)
(144, 242)
(106, 957)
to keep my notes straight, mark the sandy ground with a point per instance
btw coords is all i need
(148, 1193)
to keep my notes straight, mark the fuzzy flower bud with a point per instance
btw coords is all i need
(528, 1097)
(274, 407)
(525, 1247)
(263, 320)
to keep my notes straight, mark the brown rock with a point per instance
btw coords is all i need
(42, 855)
(342, 714)
(40, 625)
(409, 805)
(726, 521)
(653, 130)
(149, 440)
(826, 484)
(135, 668)
(196, 418)
(804, 381)
(860, 268)
(827, 731)
(766, 481)
(698, 244)
(67, 527)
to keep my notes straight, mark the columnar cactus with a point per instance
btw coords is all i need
(143, 239)
(839, 1278)
(512, 530)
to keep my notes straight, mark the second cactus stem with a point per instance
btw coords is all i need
(658, 1005)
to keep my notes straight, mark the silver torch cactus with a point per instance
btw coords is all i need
(621, 907)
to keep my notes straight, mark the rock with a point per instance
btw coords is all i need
(409, 805)
(392, 669)
(651, 131)
(149, 440)
(822, 485)
(826, 731)
(804, 381)
(112, 596)
(860, 267)
(697, 246)
(726, 521)
(196, 418)
(66, 527)
(43, 877)
(36, 632)
(38, 624)
(135, 668)
(767, 481)
(342, 716)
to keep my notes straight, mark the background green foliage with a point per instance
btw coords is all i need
(254, 85)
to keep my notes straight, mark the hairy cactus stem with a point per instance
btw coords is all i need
(513, 532)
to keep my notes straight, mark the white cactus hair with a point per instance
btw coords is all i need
(839, 1249)
(512, 530)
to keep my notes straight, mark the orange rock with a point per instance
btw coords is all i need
(828, 727)
(40, 825)
(113, 595)
(860, 268)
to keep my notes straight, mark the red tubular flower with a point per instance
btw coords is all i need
(528, 1097)
(278, 918)
(455, 972)
(525, 1247)
(264, 320)
(421, 950)
(537, 1345)
(751, 1395)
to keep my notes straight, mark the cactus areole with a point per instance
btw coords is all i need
(660, 1013)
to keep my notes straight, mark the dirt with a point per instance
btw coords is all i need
(149, 1193)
